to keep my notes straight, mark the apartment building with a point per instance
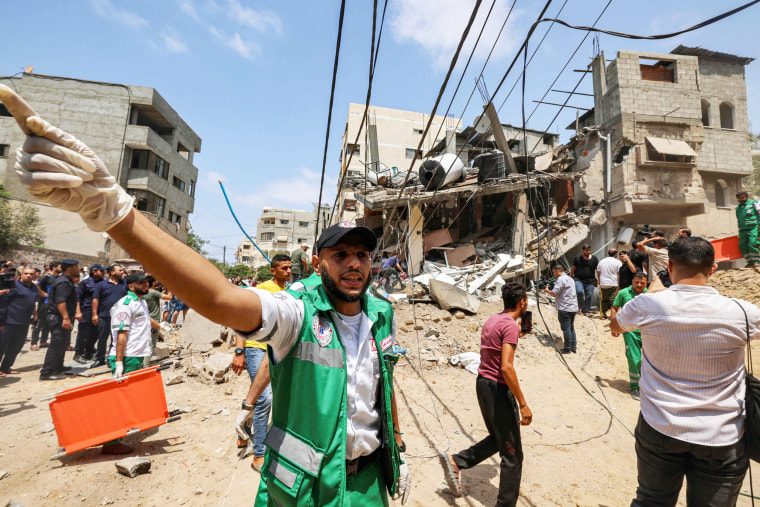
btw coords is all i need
(143, 141)
(396, 134)
(680, 140)
(280, 230)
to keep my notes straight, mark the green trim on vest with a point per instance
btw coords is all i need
(305, 460)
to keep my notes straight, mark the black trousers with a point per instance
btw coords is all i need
(85, 344)
(102, 334)
(714, 475)
(11, 342)
(41, 326)
(499, 409)
(60, 339)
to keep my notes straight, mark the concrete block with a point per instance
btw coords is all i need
(198, 330)
(132, 467)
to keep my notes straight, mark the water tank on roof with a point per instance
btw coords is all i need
(490, 166)
(440, 171)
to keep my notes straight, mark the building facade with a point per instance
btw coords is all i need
(680, 141)
(396, 134)
(142, 140)
(280, 230)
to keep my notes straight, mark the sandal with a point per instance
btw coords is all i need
(3, 374)
(452, 475)
(12, 372)
(34, 347)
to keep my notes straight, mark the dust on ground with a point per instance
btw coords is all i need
(576, 452)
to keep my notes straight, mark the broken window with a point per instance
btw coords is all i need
(705, 113)
(662, 70)
(353, 149)
(726, 115)
(411, 152)
(4, 150)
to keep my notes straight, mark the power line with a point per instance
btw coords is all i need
(329, 114)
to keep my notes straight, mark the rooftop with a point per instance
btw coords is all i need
(712, 55)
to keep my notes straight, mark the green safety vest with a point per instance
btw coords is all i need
(305, 461)
(747, 215)
(310, 282)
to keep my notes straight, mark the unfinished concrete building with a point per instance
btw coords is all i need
(281, 230)
(145, 144)
(679, 141)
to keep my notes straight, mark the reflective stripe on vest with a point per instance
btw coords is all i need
(315, 353)
(290, 447)
(282, 474)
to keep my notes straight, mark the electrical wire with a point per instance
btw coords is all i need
(329, 115)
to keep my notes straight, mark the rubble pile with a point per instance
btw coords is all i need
(741, 283)
(560, 234)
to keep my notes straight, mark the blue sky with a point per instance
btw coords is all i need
(252, 78)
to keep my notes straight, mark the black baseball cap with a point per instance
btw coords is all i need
(97, 266)
(335, 233)
(136, 278)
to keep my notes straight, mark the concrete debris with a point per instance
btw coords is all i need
(221, 411)
(14, 503)
(470, 361)
(505, 262)
(4, 474)
(174, 379)
(215, 368)
(199, 333)
(448, 296)
(162, 350)
(132, 467)
(432, 332)
(46, 427)
(459, 315)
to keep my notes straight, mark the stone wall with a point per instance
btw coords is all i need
(38, 257)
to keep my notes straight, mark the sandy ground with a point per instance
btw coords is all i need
(576, 453)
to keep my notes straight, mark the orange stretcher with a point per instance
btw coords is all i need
(104, 410)
(727, 249)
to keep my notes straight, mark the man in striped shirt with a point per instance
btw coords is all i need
(692, 383)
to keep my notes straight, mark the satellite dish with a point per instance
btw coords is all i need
(481, 124)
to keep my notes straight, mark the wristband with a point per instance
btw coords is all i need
(247, 407)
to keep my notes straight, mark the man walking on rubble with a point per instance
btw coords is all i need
(251, 354)
(692, 383)
(501, 400)
(334, 413)
(748, 219)
(567, 306)
(633, 338)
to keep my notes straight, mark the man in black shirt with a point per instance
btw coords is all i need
(41, 330)
(584, 274)
(633, 262)
(62, 307)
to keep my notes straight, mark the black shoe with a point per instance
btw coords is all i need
(80, 359)
(97, 364)
(52, 376)
(565, 351)
(573, 351)
(87, 357)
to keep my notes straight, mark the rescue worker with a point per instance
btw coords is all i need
(633, 338)
(748, 218)
(335, 436)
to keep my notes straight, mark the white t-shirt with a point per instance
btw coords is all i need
(281, 319)
(135, 318)
(607, 270)
(692, 366)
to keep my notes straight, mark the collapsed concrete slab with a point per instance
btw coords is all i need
(214, 369)
(199, 333)
(448, 296)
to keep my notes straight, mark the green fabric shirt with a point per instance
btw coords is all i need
(153, 298)
(624, 296)
(747, 215)
(296, 266)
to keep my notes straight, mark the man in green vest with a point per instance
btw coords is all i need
(334, 438)
(748, 218)
(633, 338)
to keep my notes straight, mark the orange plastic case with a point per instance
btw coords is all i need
(108, 409)
(727, 249)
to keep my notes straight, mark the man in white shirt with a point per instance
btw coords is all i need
(607, 278)
(692, 383)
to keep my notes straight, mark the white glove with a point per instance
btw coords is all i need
(244, 416)
(119, 369)
(404, 484)
(58, 169)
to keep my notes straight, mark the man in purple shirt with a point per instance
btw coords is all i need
(20, 311)
(499, 396)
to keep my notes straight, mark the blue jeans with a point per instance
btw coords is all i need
(567, 323)
(584, 292)
(253, 358)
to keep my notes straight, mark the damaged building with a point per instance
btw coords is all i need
(679, 142)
